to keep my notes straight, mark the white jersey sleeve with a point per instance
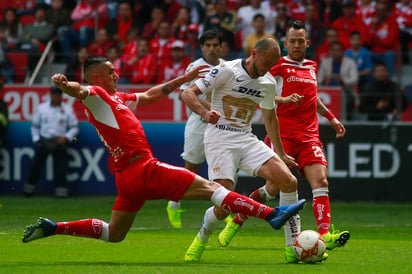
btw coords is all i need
(268, 101)
(217, 77)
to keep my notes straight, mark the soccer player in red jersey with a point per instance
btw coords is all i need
(140, 176)
(298, 105)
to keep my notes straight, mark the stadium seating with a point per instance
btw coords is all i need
(20, 61)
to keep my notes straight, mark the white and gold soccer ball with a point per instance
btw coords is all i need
(309, 246)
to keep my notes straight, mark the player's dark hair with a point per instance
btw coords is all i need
(297, 25)
(210, 34)
(94, 60)
(257, 16)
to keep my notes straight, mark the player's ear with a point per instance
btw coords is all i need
(96, 78)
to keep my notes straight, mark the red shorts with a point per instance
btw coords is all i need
(148, 179)
(305, 151)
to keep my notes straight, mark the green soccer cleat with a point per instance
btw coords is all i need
(335, 238)
(290, 256)
(227, 234)
(174, 216)
(195, 250)
(41, 229)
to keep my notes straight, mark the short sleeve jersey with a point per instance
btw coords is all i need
(297, 77)
(195, 123)
(116, 125)
(236, 95)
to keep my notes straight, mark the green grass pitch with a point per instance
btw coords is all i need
(381, 241)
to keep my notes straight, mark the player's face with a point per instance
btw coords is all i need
(263, 63)
(211, 51)
(108, 77)
(296, 44)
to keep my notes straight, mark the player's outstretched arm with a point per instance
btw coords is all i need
(334, 122)
(158, 92)
(293, 98)
(73, 89)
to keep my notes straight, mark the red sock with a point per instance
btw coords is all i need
(91, 228)
(241, 218)
(321, 210)
(237, 203)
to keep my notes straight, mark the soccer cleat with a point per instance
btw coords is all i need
(41, 229)
(227, 234)
(195, 250)
(284, 213)
(228, 219)
(290, 255)
(174, 216)
(335, 238)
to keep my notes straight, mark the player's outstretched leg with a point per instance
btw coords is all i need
(173, 214)
(41, 229)
(335, 238)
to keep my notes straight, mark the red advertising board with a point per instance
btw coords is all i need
(23, 100)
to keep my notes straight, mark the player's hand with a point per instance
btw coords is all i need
(59, 80)
(212, 116)
(196, 72)
(294, 98)
(288, 160)
(339, 127)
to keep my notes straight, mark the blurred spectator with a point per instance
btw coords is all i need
(101, 43)
(329, 11)
(282, 20)
(118, 27)
(362, 57)
(59, 17)
(143, 71)
(349, 23)
(10, 29)
(323, 50)
(161, 44)
(53, 127)
(141, 10)
(378, 98)
(192, 46)
(170, 69)
(6, 68)
(74, 70)
(251, 39)
(245, 16)
(223, 20)
(225, 52)
(383, 36)
(113, 53)
(150, 28)
(180, 24)
(83, 16)
(4, 115)
(197, 11)
(297, 9)
(366, 10)
(403, 13)
(315, 28)
(35, 36)
(270, 5)
(171, 8)
(338, 70)
(129, 53)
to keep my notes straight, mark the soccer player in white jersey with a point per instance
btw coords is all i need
(239, 87)
(139, 176)
(298, 105)
(193, 150)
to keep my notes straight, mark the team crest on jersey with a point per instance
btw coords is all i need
(214, 72)
(313, 74)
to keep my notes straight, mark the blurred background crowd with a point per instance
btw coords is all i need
(360, 45)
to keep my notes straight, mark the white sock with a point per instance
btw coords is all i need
(219, 195)
(174, 205)
(322, 191)
(105, 232)
(292, 227)
(265, 194)
(210, 224)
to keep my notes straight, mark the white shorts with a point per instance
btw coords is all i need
(234, 151)
(194, 148)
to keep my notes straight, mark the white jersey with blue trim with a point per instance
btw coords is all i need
(236, 95)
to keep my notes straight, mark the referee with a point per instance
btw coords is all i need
(54, 125)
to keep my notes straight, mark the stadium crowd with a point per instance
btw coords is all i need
(152, 41)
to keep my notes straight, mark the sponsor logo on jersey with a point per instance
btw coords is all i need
(298, 79)
(291, 70)
(120, 107)
(214, 72)
(249, 91)
(313, 74)
(206, 83)
(240, 80)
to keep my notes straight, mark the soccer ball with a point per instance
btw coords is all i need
(309, 246)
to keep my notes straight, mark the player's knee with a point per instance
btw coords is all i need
(116, 237)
